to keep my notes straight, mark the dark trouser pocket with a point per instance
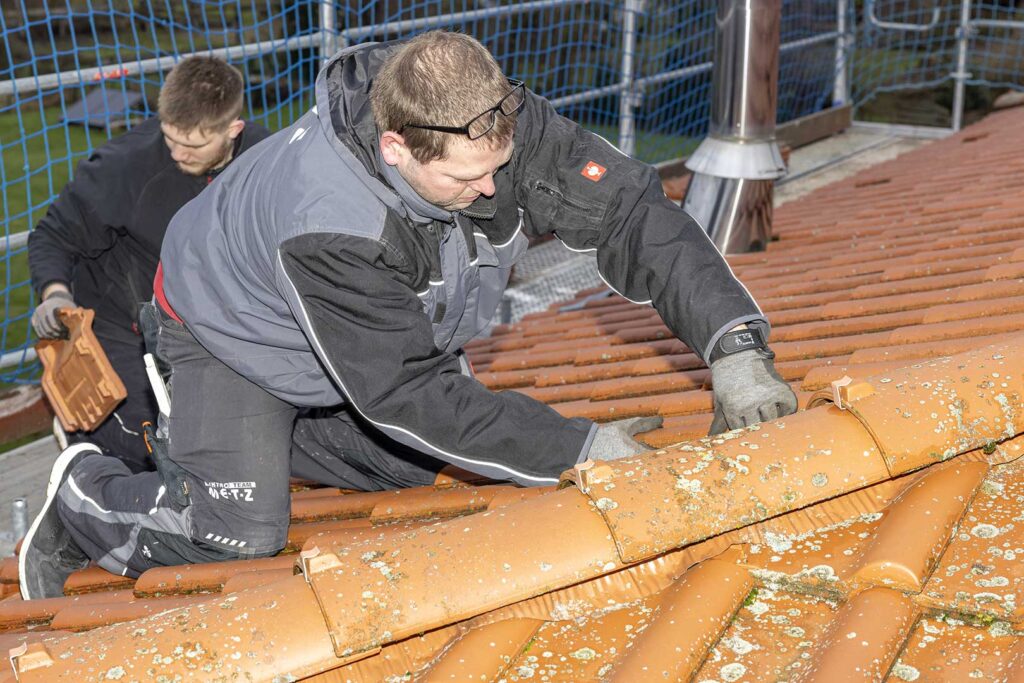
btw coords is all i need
(172, 475)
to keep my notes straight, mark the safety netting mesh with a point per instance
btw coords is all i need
(73, 73)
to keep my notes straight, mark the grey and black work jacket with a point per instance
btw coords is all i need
(313, 269)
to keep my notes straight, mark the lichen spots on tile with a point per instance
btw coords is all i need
(690, 486)
(905, 672)
(739, 645)
(985, 531)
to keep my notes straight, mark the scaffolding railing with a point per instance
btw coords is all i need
(75, 72)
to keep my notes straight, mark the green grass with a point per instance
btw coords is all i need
(651, 147)
(35, 167)
(17, 443)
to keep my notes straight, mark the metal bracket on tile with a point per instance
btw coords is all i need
(587, 474)
(313, 561)
(27, 657)
(576, 476)
(845, 392)
(837, 391)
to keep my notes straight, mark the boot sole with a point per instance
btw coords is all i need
(60, 466)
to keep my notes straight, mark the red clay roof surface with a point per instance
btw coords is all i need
(875, 535)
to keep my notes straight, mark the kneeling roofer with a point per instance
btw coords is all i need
(313, 302)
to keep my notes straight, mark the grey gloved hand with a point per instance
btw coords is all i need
(615, 440)
(45, 321)
(748, 390)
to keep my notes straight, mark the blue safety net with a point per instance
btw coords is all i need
(914, 44)
(73, 73)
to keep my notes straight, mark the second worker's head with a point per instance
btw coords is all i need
(200, 105)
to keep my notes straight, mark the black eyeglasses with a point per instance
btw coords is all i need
(481, 124)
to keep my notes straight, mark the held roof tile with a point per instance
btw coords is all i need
(872, 536)
(79, 405)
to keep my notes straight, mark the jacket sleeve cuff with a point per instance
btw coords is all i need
(53, 280)
(757, 321)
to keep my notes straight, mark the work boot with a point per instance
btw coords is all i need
(48, 553)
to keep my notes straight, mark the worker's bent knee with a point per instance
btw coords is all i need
(162, 549)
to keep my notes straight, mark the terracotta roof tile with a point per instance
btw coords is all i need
(688, 619)
(84, 617)
(873, 535)
(945, 648)
(864, 638)
(981, 571)
(196, 578)
(484, 652)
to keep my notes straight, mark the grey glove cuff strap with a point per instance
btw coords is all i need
(737, 341)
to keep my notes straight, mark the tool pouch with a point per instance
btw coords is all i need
(173, 476)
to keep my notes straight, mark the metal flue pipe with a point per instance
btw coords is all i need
(734, 168)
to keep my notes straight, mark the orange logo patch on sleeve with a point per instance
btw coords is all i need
(593, 171)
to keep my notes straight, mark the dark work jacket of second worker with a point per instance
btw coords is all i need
(313, 269)
(102, 235)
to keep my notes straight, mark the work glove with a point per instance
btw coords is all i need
(45, 321)
(748, 390)
(615, 440)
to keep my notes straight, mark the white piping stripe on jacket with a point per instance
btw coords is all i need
(632, 301)
(738, 281)
(337, 378)
(608, 284)
(519, 229)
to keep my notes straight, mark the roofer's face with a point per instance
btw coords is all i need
(455, 183)
(197, 152)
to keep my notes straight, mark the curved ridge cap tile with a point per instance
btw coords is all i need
(87, 617)
(376, 593)
(691, 617)
(18, 613)
(917, 527)
(931, 411)
(670, 498)
(276, 630)
(1015, 665)
(864, 640)
(190, 578)
(95, 579)
(395, 662)
(430, 502)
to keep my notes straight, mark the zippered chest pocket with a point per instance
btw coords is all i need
(563, 210)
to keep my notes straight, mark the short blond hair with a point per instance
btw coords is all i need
(439, 78)
(201, 93)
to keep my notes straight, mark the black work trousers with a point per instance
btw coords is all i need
(221, 489)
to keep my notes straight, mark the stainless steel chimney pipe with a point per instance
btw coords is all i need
(730, 193)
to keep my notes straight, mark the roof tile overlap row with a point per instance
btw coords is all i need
(874, 536)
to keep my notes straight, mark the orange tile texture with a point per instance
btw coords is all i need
(875, 536)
